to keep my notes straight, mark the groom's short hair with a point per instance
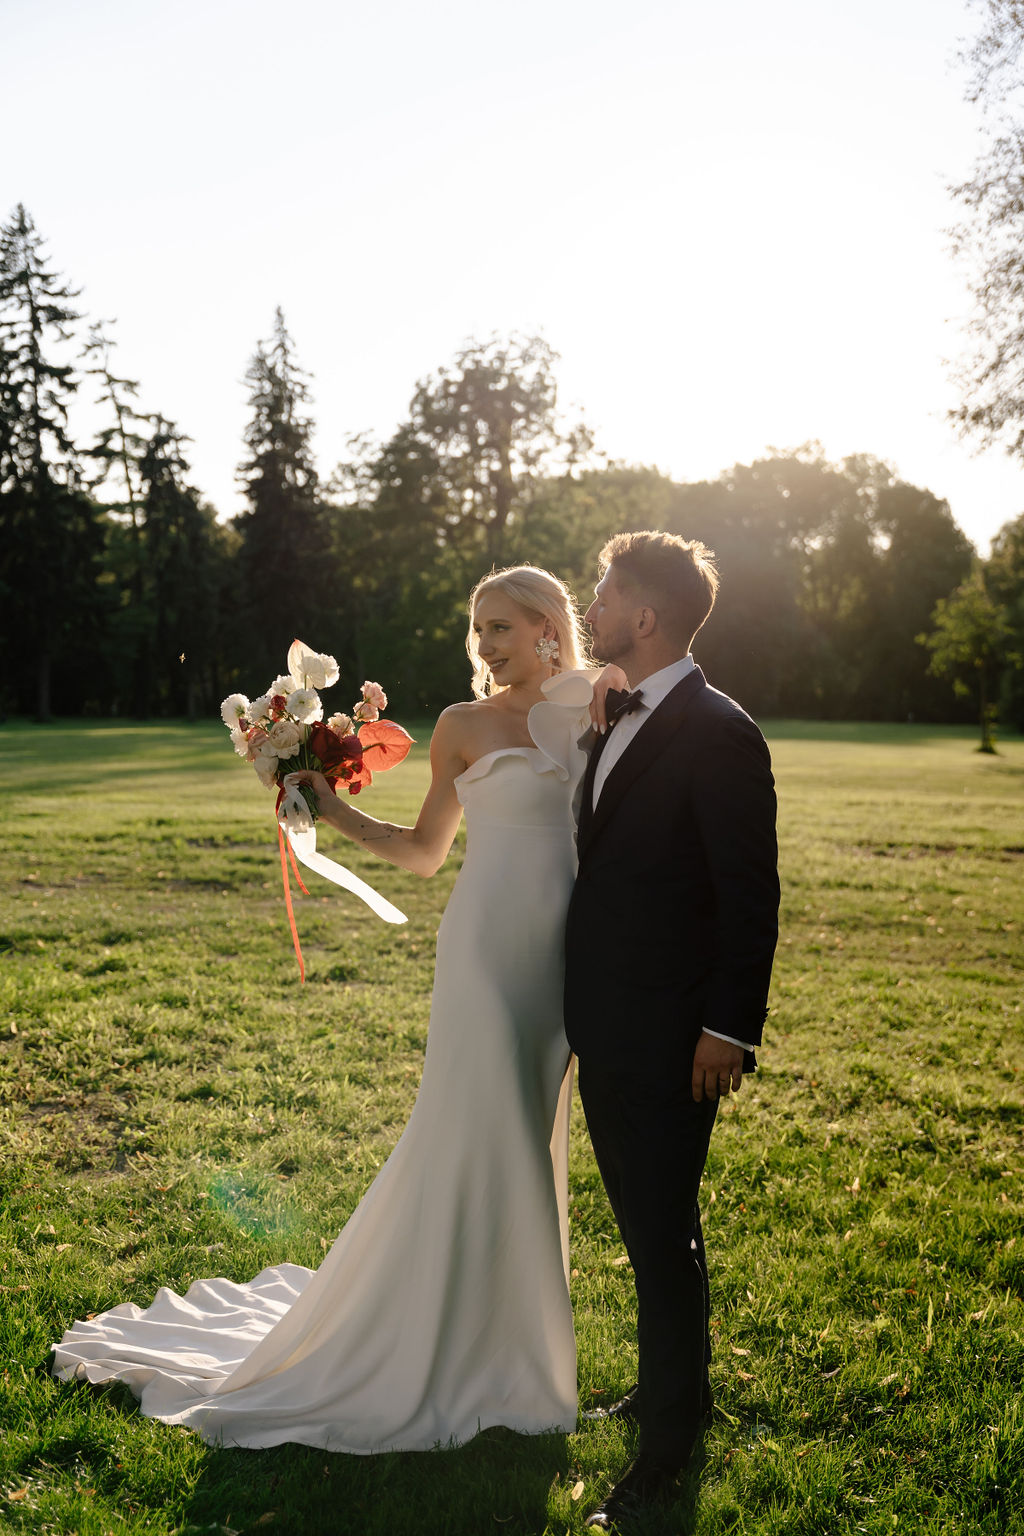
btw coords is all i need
(676, 577)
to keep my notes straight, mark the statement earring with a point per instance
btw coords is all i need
(547, 649)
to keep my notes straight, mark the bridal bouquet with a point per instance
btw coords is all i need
(284, 730)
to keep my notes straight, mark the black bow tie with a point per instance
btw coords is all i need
(618, 702)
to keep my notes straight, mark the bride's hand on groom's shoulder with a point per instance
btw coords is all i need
(611, 677)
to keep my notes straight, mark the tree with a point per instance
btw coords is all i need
(457, 489)
(183, 572)
(485, 432)
(50, 534)
(969, 644)
(1004, 578)
(118, 452)
(829, 572)
(991, 237)
(776, 639)
(283, 558)
(922, 556)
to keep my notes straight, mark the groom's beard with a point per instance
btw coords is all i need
(612, 647)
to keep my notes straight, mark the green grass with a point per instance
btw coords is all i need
(174, 1105)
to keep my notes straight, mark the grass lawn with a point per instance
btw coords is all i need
(173, 1105)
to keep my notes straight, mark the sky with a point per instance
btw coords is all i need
(729, 221)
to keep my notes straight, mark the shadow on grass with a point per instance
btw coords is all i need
(500, 1481)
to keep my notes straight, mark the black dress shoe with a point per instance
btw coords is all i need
(624, 1409)
(646, 1482)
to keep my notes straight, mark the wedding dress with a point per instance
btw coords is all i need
(443, 1306)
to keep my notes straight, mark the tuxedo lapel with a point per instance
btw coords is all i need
(647, 744)
(586, 814)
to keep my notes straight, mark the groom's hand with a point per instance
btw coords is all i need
(717, 1066)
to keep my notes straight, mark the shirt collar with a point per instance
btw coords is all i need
(659, 685)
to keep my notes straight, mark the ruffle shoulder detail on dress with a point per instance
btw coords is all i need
(558, 724)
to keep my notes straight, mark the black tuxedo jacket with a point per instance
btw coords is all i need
(674, 918)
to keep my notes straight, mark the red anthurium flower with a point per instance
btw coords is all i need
(358, 777)
(384, 744)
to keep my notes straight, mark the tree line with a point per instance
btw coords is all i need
(846, 592)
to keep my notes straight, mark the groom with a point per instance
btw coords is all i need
(671, 933)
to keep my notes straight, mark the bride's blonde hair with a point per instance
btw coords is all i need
(540, 595)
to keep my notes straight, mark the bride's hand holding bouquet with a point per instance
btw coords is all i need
(283, 732)
(284, 729)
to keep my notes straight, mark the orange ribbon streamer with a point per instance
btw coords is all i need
(288, 897)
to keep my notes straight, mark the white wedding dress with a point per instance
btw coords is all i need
(443, 1306)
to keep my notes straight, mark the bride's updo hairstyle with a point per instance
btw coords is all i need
(541, 596)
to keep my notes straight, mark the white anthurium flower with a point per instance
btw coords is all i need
(311, 669)
(234, 708)
(304, 705)
(299, 653)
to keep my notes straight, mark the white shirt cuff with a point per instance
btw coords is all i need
(744, 1044)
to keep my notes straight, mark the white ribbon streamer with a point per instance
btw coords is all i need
(300, 831)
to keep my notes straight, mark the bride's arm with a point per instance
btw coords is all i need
(424, 847)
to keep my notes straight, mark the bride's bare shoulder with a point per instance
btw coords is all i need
(465, 712)
(459, 725)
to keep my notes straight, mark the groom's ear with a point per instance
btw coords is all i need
(645, 621)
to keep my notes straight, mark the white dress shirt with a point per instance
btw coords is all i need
(655, 690)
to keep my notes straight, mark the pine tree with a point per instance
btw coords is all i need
(50, 535)
(118, 451)
(184, 559)
(284, 558)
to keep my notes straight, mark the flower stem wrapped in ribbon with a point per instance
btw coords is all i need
(284, 729)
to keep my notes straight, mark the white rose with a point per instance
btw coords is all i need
(286, 736)
(304, 705)
(314, 670)
(234, 708)
(331, 671)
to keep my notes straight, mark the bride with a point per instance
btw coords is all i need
(443, 1306)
